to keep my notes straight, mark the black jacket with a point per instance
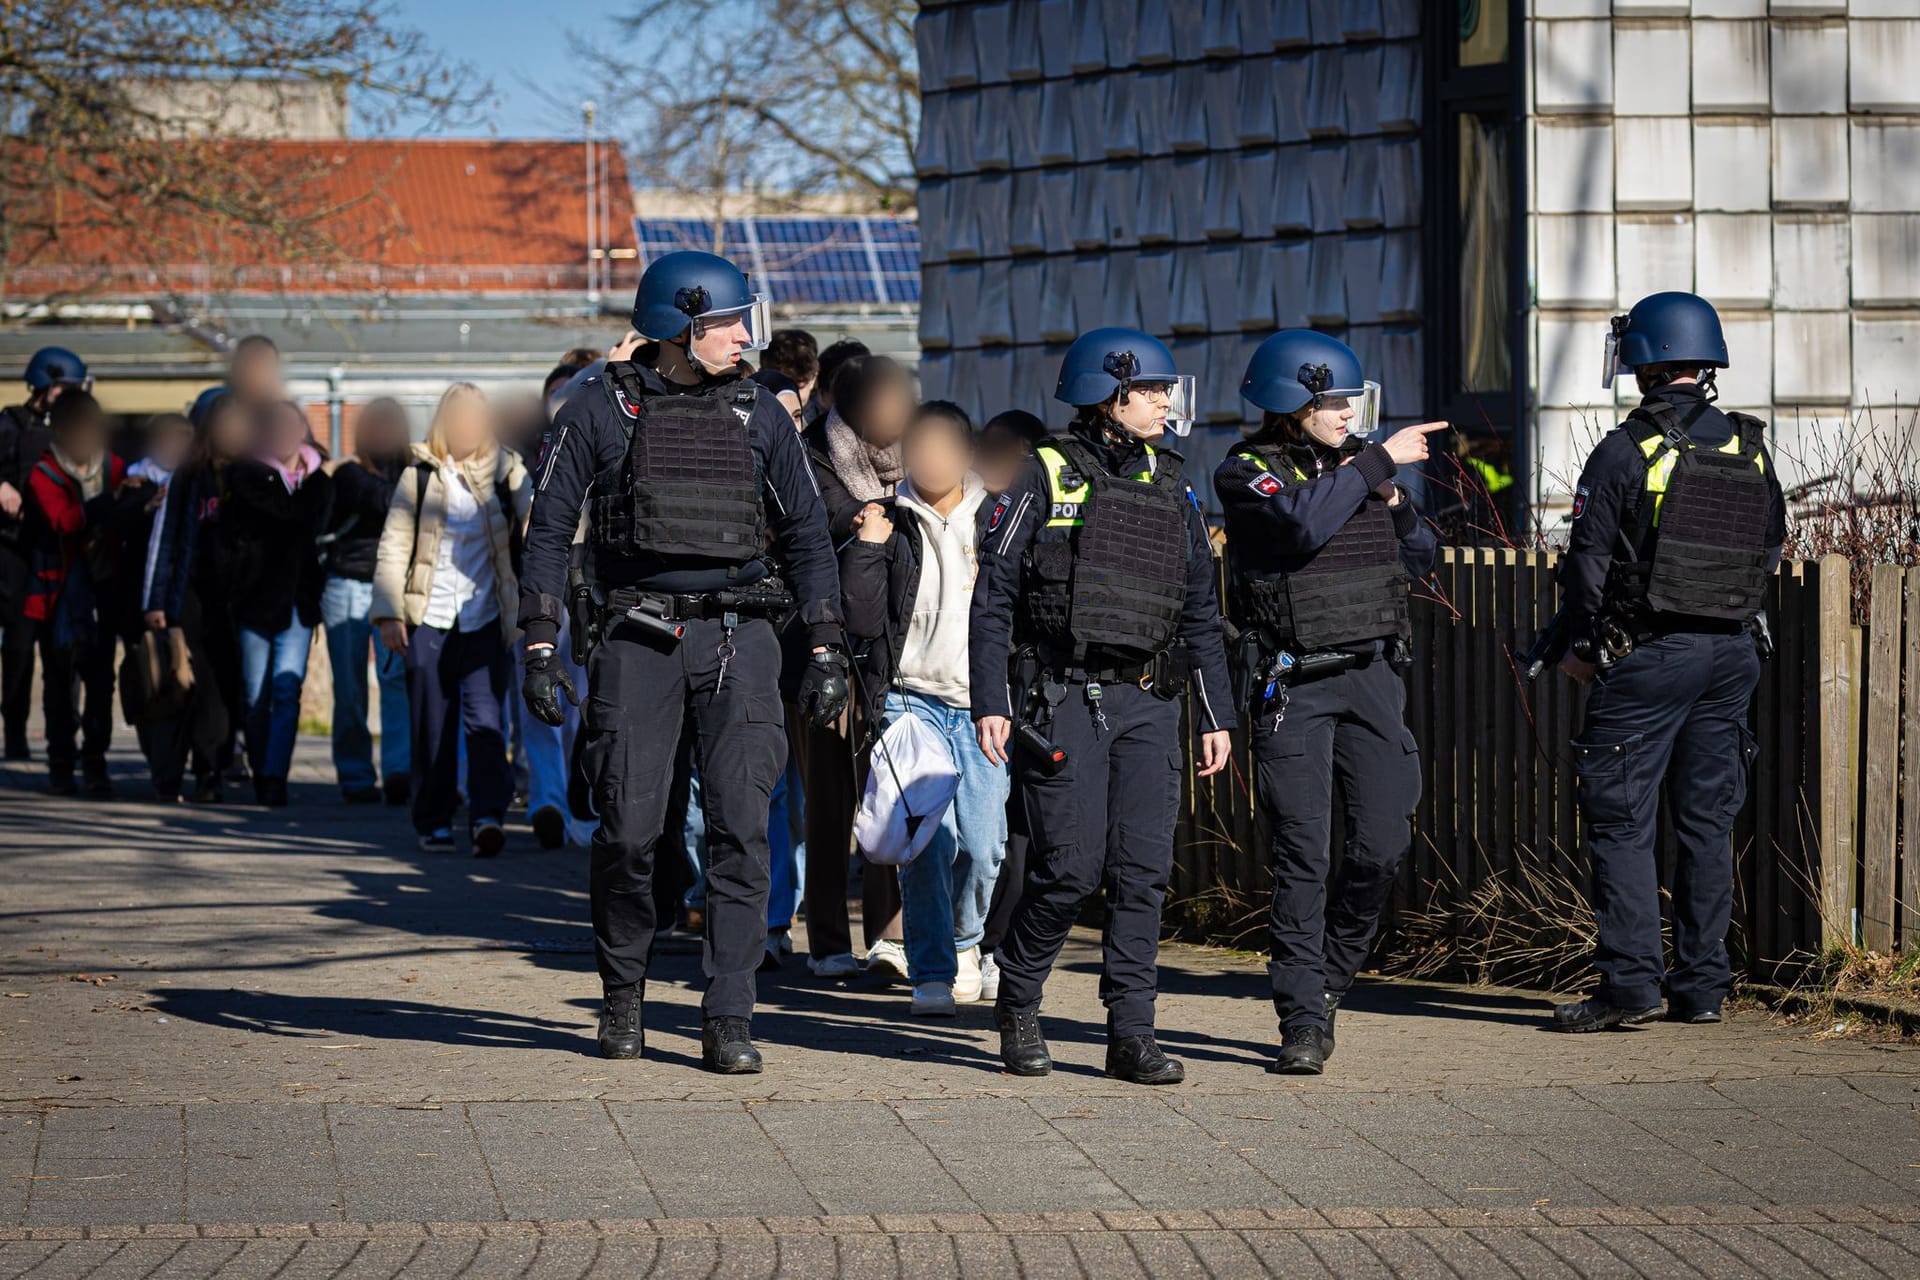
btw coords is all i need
(23, 438)
(361, 498)
(1609, 490)
(841, 505)
(270, 546)
(879, 582)
(1015, 518)
(590, 436)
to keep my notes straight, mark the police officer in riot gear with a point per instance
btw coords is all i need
(1677, 525)
(1320, 545)
(685, 468)
(1093, 613)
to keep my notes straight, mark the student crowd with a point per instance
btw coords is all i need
(190, 563)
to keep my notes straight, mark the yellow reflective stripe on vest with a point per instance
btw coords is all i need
(1261, 463)
(1067, 507)
(1660, 469)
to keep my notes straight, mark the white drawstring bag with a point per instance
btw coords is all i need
(912, 782)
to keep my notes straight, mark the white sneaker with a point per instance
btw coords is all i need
(839, 966)
(966, 984)
(888, 959)
(933, 1000)
(989, 978)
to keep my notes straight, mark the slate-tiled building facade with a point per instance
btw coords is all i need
(1463, 190)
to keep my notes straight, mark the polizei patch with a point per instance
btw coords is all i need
(1580, 497)
(1264, 485)
(999, 513)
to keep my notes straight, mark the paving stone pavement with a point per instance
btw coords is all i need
(303, 1047)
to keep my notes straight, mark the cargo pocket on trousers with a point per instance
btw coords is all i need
(1749, 749)
(1605, 771)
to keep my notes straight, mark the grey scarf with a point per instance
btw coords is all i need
(870, 474)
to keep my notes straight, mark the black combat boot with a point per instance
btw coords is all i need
(95, 784)
(1597, 1014)
(1303, 1050)
(1023, 1050)
(1326, 1041)
(726, 1047)
(621, 1035)
(1138, 1060)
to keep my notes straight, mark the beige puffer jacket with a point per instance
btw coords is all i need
(410, 542)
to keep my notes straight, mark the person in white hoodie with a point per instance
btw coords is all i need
(907, 585)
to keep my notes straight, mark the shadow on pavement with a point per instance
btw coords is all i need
(314, 1017)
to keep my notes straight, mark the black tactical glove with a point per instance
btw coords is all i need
(546, 676)
(823, 688)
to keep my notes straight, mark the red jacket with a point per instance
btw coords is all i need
(65, 524)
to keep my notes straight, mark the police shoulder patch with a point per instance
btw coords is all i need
(1264, 484)
(999, 513)
(1580, 497)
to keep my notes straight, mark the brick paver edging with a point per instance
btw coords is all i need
(1442, 1219)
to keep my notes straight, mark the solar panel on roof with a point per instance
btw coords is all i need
(804, 260)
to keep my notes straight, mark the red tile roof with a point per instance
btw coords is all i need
(404, 214)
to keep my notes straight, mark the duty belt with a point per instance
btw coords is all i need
(702, 606)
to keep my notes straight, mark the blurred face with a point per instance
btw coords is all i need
(169, 445)
(1141, 410)
(381, 432)
(283, 429)
(999, 458)
(718, 343)
(227, 432)
(883, 419)
(1328, 423)
(83, 439)
(937, 459)
(464, 426)
(255, 374)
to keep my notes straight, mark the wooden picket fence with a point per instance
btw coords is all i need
(1836, 720)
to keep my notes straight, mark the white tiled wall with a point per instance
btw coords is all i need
(1764, 153)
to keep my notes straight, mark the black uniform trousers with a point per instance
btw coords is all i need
(1674, 711)
(77, 697)
(1105, 820)
(16, 646)
(1348, 727)
(642, 692)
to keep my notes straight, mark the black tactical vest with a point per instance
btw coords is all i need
(1351, 591)
(1107, 572)
(689, 485)
(1700, 528)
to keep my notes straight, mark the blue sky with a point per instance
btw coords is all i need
(523, 48)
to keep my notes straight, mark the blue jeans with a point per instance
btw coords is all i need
(273, 704)
(946, 891)
(546, 748)
(786, 818)
(344, 606)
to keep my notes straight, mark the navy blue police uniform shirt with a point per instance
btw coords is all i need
(1280, 521)
(1017, 515)
(589, 436)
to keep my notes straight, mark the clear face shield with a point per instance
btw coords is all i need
(1183, 404)
(1610, 367)
(1364, 400)
(757, 316)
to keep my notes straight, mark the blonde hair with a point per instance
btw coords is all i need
(437, 430)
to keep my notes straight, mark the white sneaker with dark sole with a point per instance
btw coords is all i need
(887, 959)
(840, 966)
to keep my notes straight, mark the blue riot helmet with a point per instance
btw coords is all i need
(1665, 328)
(688, 288)
(1297, 369)
(1104, 362)
(50, 365)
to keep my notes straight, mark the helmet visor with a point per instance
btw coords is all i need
(757, 315)
(1183, 404)
(1610, 366)
(1364, 400)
